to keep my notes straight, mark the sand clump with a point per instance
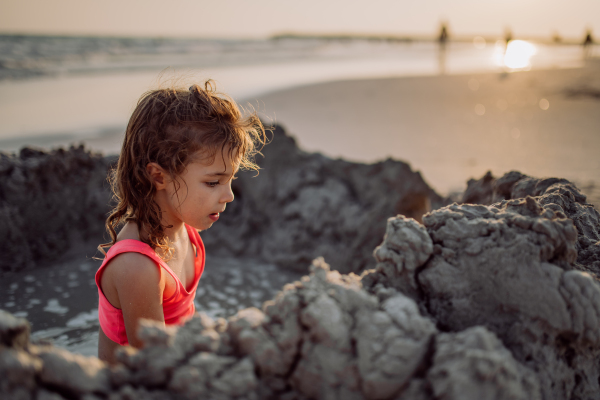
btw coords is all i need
(478, 302)
(556, 194)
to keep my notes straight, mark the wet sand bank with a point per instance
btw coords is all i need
(452, 128)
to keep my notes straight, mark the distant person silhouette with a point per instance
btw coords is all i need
(442, 40)
(556, 38)
(508, 36)
(588, 39)
(587, 44)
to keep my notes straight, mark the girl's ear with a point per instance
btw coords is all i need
(157, 175)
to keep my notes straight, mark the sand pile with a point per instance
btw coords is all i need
(304, 205)
(299, 207)
(480, 302)
(48, 201)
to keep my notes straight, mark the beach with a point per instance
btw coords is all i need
(450, 122)
(452, 119)
(409, 206)
(454, 127)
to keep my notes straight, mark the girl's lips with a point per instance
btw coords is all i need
(214, 217)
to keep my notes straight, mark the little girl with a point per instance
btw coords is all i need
(181, 151)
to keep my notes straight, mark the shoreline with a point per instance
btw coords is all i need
(429, 121)
(82, 104)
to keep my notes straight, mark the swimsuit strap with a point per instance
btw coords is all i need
(136, 246)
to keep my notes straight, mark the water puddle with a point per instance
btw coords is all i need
(60, 300)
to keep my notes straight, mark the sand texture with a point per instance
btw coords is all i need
(480, 302)
(302, 206)
(50, 200)
(299, 207)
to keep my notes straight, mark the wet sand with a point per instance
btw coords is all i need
(452, 128)
(60, 300)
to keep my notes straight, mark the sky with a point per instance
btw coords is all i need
(262, 18)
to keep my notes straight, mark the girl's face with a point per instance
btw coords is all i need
(204, 191)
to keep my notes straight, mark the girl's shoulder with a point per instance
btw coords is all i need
(129, 265)
(129, 249)
(129, 272)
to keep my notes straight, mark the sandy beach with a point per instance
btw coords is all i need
(452, 128)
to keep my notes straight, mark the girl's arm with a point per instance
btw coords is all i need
(135, 284)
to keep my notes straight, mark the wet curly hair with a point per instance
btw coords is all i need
(173, 127)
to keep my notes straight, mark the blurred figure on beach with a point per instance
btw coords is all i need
(442, 40)
(556, 38)
(508, 36)
(587, 44)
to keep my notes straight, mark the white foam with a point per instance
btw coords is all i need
(84, 319)
(21, 314)
(32, 303)
(54, 306)
(233, 301)
(256, 295)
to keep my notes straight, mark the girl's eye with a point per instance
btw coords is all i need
(212, 184)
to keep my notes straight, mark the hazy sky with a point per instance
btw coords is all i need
(259, 18)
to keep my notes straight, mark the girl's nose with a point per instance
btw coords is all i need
(228, 195)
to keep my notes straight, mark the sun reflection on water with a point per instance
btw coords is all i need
(515, 55)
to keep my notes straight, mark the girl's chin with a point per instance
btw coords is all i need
(204, 226)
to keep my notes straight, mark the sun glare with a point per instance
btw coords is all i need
(518, 54)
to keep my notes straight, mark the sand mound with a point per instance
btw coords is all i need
(48, 201)
(304, 205)
(480, 302)
(301, 206)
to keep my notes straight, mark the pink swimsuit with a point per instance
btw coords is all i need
(177, 308)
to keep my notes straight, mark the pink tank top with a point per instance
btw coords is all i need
(176, 309)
